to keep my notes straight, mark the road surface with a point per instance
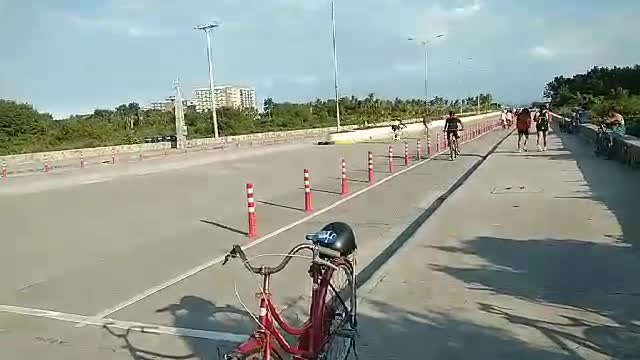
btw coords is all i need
(535, 257)
(124, 246)
(128, 250)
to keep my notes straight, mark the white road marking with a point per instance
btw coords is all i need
(219, 259)
(125, 325)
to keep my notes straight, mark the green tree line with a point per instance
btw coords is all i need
(23, 129)
(600, 90)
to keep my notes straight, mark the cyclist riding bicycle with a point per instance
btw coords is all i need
(396, 128)
(451, 126)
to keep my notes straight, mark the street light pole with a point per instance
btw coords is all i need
(335, 64)
(468, 58)
(207, 28)
(425, 44)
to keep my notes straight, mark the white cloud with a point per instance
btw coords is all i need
(541, 51)
(266, 83)
(406, 68)
(307, 79)
(115, 25)
(309, 5)
(467, 10)
(128, 4)
(441, 18)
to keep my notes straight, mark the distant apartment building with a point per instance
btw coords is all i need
(225, 95)
(168, 104)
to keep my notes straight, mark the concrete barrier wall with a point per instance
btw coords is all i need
(385, 131)
(267, 137)
(36, 159)
(19, 159)
(626, 148)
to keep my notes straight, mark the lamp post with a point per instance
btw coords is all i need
(425, 44)
(335, 64)
(468, 59)
(207, 29)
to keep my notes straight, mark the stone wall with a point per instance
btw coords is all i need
(626, 148)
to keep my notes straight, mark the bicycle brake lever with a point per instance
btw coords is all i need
(232, 254)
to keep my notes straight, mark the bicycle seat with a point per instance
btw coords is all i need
(336, 236)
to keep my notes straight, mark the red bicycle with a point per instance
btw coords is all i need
(330, 331)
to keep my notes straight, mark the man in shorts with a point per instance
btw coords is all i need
(523, 123)
(451, 126)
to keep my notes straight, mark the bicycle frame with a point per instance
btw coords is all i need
(311, 335)
(604, 142)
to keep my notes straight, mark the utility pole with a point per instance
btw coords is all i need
(207, 29)
(425, 44)
(335, 64)
(181, 127)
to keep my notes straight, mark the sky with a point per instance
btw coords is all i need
(72, 56)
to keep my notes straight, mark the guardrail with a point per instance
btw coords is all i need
(625, 148)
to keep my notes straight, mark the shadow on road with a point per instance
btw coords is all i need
(599, 279)
(392, 333)
(323, 191)
(223, 226)
(280, 205)
(350, 180)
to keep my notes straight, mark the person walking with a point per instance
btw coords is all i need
(543, 118)
(523, 123)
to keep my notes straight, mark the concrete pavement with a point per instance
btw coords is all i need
(90, 258)
(535, 257)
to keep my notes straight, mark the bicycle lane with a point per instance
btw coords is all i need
(207, 299)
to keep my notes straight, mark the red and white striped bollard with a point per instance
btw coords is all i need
(343, 176)
(4, 168)
(370, 166)
(418, 150)
(437, 143)
(81, 161)
(46, 165)
(251, 207)
(429, 146)
(307, 192)
(406, 154)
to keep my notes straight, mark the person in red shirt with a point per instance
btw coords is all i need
(523, 123)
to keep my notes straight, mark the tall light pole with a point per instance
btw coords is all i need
(335, 64)
(207, 29)
(425, 44)
(468, 59)
(181, 129)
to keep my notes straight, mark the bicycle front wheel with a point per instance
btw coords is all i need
(340, 314)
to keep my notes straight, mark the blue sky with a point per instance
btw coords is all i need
(71, 56)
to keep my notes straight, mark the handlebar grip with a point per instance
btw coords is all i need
(328, 252)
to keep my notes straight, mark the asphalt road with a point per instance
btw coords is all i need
(94, 248)
(535, 257)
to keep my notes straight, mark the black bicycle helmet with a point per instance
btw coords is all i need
(336, 236)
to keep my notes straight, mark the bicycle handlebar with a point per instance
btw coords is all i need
(237, 251)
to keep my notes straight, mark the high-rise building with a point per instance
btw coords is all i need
(225, 95)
